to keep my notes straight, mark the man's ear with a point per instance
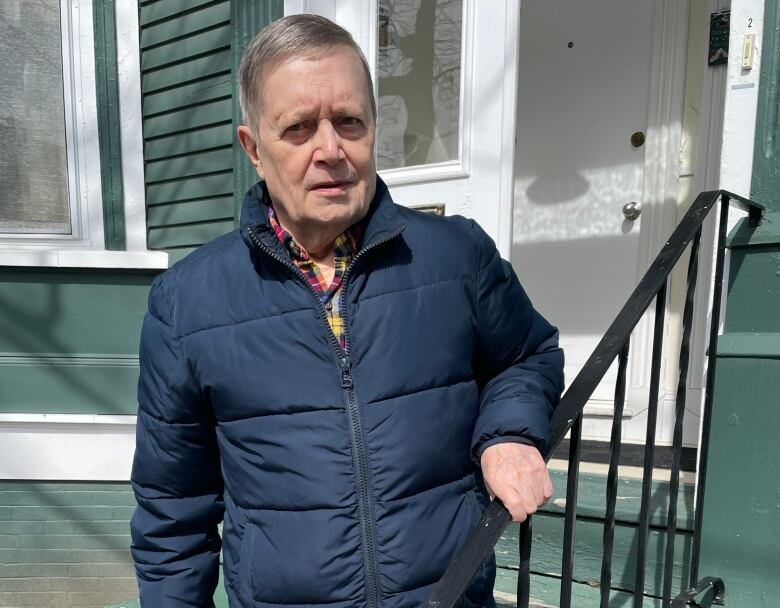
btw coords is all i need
(248, 142)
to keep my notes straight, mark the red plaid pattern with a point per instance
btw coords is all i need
(344, 248)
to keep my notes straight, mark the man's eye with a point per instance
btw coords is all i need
(350, 121)
(298, 126)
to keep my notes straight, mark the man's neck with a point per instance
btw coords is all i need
(318, 241)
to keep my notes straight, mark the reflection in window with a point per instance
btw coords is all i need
(418, 79)
(33, 161)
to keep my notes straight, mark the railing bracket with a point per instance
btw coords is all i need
(704, 585)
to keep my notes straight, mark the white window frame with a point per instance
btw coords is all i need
(359, 17)
(85, 247)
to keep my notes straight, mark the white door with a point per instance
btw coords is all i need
(445, 77)
(586, 85)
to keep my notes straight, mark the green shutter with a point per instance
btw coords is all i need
(249, 18)
(189, 52)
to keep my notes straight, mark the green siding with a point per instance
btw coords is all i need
(69, 340)
(65, 544)
(189, 52)
(184, 96)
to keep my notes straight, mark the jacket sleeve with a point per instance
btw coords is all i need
(518, 364)
(176, 473)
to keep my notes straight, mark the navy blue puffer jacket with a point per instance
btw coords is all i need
(344, 480)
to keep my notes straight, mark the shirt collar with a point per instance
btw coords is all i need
(383, 220)
(345, 245)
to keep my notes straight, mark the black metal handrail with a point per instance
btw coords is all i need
(568, 417)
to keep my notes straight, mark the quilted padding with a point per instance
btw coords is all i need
(344, 479)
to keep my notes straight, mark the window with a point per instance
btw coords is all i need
(45, 79)
(32, 121)
(418, 82)
(51, 211)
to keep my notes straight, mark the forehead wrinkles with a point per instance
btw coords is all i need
(302, 82)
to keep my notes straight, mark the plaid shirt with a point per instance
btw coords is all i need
(344, 248)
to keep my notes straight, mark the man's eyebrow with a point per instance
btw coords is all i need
(348, 109)
(292, 116)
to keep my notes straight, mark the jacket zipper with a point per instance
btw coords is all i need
(353, 411)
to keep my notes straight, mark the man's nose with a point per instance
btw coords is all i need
(328, 146)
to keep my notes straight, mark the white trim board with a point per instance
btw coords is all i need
(128, 64)
(42, 258)
(741, 104)
(66, 447)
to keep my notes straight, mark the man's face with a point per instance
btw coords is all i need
(315, 140)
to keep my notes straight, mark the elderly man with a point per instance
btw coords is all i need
(343, 381)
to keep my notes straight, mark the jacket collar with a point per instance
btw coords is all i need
(382, 221)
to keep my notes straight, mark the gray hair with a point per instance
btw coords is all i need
(294, 35)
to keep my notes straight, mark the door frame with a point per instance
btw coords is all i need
(661, 174)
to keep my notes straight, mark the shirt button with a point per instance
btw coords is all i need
(329, 306)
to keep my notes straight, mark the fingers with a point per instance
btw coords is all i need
(516, 473)
(521, 504)
(547, 487)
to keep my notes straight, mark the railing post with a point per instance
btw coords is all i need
(525, 537)
(570, 517)
(704, 447)
(612, 477)
(682, 387)
(647, 474)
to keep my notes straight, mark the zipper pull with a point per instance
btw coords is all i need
(346, 374)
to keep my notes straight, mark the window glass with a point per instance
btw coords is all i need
(418, 81)
(33, 160)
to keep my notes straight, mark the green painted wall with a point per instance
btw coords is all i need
(69, 340)
(65, 544)
(741, 519)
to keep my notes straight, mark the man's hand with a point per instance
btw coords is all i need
(517, 474)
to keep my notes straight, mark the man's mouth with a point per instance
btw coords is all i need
(335, 186)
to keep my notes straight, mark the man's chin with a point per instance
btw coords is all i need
(339, 209)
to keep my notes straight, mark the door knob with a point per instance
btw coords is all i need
(632, 210)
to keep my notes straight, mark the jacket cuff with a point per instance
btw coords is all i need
(504, 439)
